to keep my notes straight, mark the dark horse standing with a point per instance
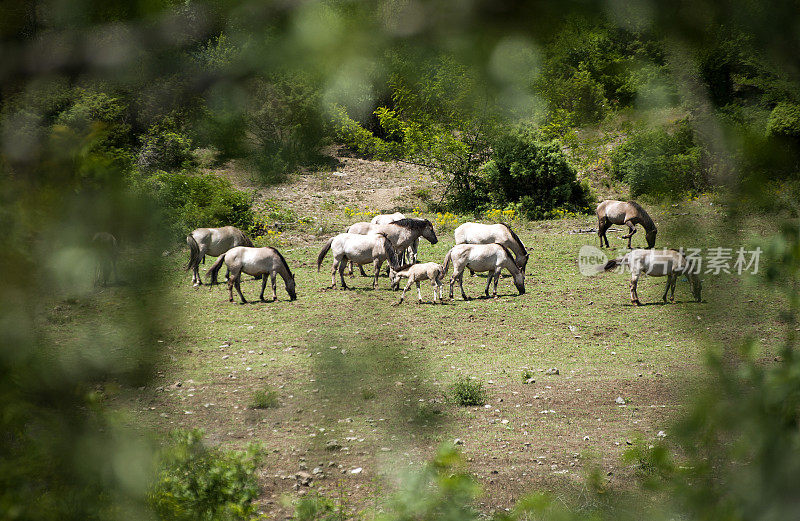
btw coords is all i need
(628, 213)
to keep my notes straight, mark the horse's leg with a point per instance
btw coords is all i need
(196, 275)
(238, 283)
(333, 271)
(263, 287)
(634, 294)
(496, 280)
(674, 283)
(461, 285)
(230, 290)
(600, 222)
(602, 227)
(666, 290)
(351, 270)
(632, 227)
(342, 265)
(403, 296)
(378, 263)
(419, 293)
(272, 279)
(489, 277)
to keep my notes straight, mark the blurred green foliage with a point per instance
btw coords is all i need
(199, 483)
(661, 161)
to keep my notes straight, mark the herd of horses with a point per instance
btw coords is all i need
(394, 239)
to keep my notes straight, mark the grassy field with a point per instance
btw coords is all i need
(361, 384)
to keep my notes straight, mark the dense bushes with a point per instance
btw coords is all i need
(198, 483)
(192, 200)
(784, 120)
(284, 125)
(164, 147)
(661, 161)
(534, 177)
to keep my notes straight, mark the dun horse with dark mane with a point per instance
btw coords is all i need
(628, 213)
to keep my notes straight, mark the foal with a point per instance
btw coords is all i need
(416, 273)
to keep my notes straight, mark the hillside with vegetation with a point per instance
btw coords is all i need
(146, 398)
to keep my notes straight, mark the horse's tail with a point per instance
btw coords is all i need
(194, 252)
(442, 272)
(446, 267)
(389, 248)
(324, 252)
(213, 271)
(611, 264)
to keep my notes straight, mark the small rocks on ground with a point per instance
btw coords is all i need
(552, 370)
(620, 400)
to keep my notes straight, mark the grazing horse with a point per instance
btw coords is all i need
(477, 233)
(214, 242)
(107, 251)
(482, 257)
(628, 213)
(664, 263)
(256, 262)
(432, 271)
(361, 249)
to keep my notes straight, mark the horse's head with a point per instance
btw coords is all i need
(394, 277)
(522, 261)
(429, 233)
(697, 287)
(650, 235)
(519, 282)
(290, 287)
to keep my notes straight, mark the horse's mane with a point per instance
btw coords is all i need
(413, 224)
(514, 236)
(403, 267)
(647, 222)
(508, 252)
(285, 264)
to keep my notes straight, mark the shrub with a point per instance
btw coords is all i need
(285, 125)
(264, 399)
(534, 177)
(164, 147)
(192, 200)
(198, 483)
(467, 392)
(661, 161)
(784, 120)
(316, 507)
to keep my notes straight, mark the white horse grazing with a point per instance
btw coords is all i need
(432, 271)
(361, 249)
(214, 242)
(261, 262)
(663, 263)
(482, 257)
(501, 233)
